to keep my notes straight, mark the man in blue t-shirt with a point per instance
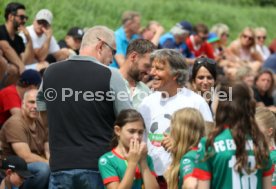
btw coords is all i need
(127, 32)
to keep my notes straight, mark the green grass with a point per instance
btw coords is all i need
(87, 13)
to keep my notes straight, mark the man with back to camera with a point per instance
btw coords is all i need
(82, 114)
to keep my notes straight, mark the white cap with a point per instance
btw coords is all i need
(44, 14)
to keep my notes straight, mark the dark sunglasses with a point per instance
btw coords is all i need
(111, 48)
(43, 23)
(261, 37)
(22, 17)
(204, 60)
(247, 37)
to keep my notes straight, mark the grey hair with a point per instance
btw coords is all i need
(101, 32)
(176, 61)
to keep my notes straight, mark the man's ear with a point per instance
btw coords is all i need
(8, 172)
(133, 56)
(117, 130)
(270, 131)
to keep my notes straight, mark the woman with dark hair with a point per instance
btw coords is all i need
(128, 165)
(235, 154)
(203, 78)
(263, 88)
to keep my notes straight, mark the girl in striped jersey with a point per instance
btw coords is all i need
(266, 121)
(235, 155)
(187, 128)
(128, 166)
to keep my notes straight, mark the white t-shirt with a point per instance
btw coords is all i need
(38, 41)
(157, 113)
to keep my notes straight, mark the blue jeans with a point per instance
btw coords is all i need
(76, 179)
(40, 180)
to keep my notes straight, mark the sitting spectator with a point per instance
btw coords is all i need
(272, 46)
(213, 40)
(44, 42)
(243, 50)
(197, 43)
(10, 97)
(263, 88)
(127, 32)
(222, 31)
(152, 32)
(16, 18)
(246, 75)
(25, 135)
(260, 42)
(71, 42)
(15, 171)
(176, 39)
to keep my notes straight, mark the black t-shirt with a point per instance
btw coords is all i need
(266, 99)
(16, 43)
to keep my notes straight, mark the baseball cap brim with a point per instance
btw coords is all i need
(24, 174)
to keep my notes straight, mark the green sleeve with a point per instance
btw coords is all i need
(202, 168)
(107, 170)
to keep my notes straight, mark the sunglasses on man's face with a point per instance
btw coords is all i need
(22, 17)
(109, 46)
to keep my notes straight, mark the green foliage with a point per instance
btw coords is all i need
(237, 14)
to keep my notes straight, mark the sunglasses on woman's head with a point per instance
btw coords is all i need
(204, 60)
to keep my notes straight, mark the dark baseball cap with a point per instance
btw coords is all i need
(30, 77)
(76, 32)
(17, 165)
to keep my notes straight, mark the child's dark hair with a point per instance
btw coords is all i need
(124, 117)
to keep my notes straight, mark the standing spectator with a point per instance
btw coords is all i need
(135, 68)
(197, 43)
(235, 154)
(44, 42)
(169, 72)
(127, 32)
(260, 42)
(80, 127)
(128, 165)
(16, 172)
(176, 39)
(10, 97)
(15, 17)
(24, 135)
(203, 78)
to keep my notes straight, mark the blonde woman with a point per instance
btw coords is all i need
(266, 121)
(187, 128)
(243, 50)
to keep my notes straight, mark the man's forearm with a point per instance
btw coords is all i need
(41, 53)
(28, 55)
(11, 56)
